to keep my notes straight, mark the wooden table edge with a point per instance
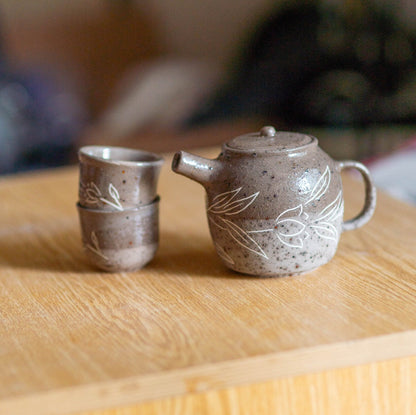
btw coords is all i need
(215, 376)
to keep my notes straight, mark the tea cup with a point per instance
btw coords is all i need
(120, 240)
(117, 178)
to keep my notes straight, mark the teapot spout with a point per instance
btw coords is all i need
(195, 167)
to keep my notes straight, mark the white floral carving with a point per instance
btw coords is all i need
(95, 247)
(333, 210)
(296, 217)
(320, 187)
(292, 225)
(226, 204)
(285, 221)
(93, 195)
(323, 226)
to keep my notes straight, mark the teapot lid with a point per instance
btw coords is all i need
(269, 140)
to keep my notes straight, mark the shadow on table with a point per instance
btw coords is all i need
(192, 255)
(59, 249)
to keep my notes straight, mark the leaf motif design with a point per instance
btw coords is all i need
(321, 186)
(242, 238)
(95, 188)
(238, 205)
(215, 221)
(223, 199)
(113, 192)
(91, 196)
(115, 196)
(95, 247)
(333, 210)
(290, 213)
(287, 228)
(326, 230)
(92, 192)
(228, 206)
(339, 211)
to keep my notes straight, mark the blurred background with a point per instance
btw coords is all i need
(166, 75)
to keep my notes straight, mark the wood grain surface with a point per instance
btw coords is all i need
(73, 339)
(383, 388)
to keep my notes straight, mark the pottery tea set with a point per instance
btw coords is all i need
(274, 203)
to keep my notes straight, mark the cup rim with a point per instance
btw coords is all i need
(136, 209)
(90, 153)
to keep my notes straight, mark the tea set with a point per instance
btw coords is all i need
(274, 203)
(118, 206)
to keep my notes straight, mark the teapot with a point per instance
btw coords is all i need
(274, 201)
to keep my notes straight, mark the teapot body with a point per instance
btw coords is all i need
(274, 201)
(276, 214)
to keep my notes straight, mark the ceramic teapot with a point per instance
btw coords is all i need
(274, 201)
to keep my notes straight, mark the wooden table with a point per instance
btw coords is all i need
(187, 336)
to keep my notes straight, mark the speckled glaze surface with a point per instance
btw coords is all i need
(116, 178)
(274, 202)
(120, 241)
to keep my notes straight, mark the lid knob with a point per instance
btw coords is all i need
(268, 131)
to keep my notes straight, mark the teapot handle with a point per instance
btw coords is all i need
(370, 196)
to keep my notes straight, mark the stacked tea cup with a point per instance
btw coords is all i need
(118, 206)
